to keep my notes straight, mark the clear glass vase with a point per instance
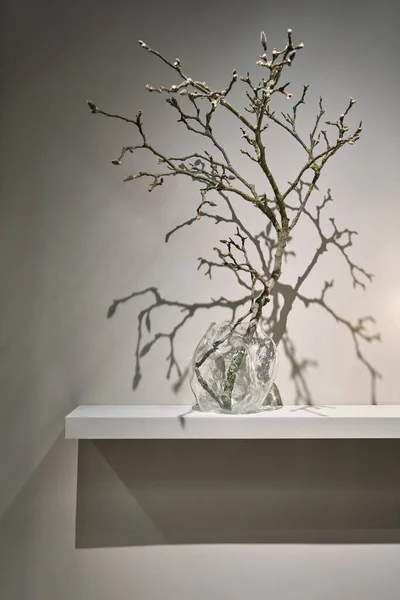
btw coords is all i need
(233, 369)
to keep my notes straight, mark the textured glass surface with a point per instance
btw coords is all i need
(225, 355)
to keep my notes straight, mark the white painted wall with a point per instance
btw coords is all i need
(73, 238)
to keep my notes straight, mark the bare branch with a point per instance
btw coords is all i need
(197, 105)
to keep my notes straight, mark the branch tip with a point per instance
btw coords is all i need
(263, 40)
(92, 107)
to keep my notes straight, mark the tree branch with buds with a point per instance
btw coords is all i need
(196, 105)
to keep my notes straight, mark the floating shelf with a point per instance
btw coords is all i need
(182, 422)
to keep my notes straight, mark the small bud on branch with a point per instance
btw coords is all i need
(263, 39)
(92, 107)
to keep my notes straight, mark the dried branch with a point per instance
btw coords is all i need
(196, 105)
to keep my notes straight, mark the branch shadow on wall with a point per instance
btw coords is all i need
(283, 299)
(158, 492)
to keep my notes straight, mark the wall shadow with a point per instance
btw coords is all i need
(283, 299)
(156, 492)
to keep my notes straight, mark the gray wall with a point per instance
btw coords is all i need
(74, 238)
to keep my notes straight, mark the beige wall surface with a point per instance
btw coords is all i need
(146, 521)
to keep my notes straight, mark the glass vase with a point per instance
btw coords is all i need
(233, 369)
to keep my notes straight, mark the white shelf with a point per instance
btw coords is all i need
(181, 422)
